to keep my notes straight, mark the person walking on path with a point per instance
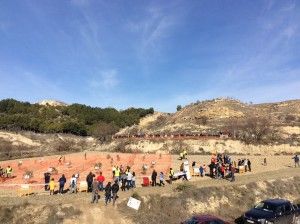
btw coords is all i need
(62, 180)
(153, 178)
(107, 190)
(249, 165)
(265, 161)
(115, 188)
(95, 191)
(296, 160)
(89, 180)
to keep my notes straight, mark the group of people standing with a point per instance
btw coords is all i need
(7, 173)
(51, 184)
(110, 190)
(221, 167)
(125, 177)
(154, 179)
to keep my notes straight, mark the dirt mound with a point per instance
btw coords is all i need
(23, 144)
(37, 214)
(228, 202)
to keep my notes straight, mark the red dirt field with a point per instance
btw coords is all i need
(76, 163)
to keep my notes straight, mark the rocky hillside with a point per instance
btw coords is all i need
(14, 145)
(53, 103)
(248, 122)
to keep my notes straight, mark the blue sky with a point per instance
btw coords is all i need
(149, 53)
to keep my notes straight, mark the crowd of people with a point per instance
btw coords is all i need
(123, 179)
(221, 167)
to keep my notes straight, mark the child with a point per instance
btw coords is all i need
(161, 179)
(201, 170)
(133, 180)
(52, 186)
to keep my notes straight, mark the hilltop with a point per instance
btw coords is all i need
(33, 129)
(53, 103)
(58, 117)
(227, 115)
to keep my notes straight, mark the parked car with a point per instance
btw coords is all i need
(204, 219)
(273, 211)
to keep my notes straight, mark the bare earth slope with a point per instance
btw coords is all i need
(213, 114)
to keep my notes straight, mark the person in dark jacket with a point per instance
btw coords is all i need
(89, 180)
(153, 178)
(201, 170)
(232, 174)
(211, 169)
(62, 180)
(114, 190)
(107, 190)
(249, 165)
(47, 177)
(296, 160)
(123, 181)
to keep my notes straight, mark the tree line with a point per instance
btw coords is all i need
(76, 119)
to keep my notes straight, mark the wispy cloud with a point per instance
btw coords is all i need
(270, 49)
(106, 80)
(154, 28)
(89, 30)
(290, 6)
(80, 2)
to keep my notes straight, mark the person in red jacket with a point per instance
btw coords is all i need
(223, 170)
(100, 180)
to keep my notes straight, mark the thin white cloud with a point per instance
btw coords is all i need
(80, 2)
(290, 32)
(153, 28)
(107, 80)
(270, 49)
(290, 6)
(90, 34)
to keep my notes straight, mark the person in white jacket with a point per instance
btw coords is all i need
(129, 180)
(73, 184)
